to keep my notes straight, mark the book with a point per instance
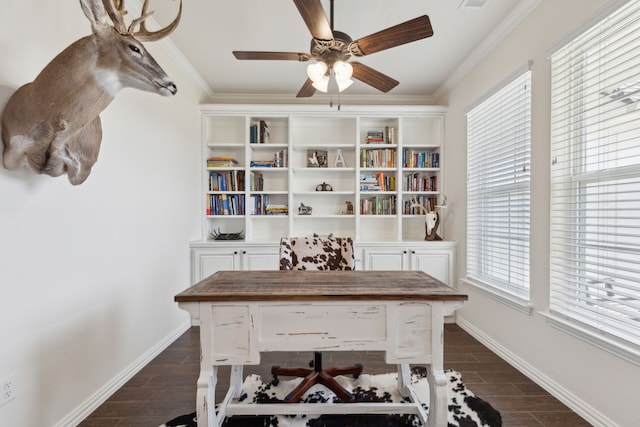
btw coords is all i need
(259, 132)
(264, 132)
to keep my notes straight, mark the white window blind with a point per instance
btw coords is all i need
(595, 177)
(498, 189)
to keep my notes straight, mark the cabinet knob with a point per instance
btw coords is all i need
(413, 252)
(235, 252)
(244, 252)
(404, 252)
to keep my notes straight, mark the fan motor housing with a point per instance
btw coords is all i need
(334, 50)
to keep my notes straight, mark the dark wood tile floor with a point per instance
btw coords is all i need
(166, 387)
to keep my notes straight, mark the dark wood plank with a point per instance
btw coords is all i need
(166, 387)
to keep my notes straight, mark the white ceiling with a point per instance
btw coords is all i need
(211, 29)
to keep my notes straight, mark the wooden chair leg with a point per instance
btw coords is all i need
(308, 382)
(317, 375)
(333, 385)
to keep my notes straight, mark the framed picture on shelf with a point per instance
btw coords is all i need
(317, 159)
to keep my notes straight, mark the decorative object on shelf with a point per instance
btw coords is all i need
(340, 162)
(317, 158)
(331, 51)
(349, 208)
(431, 218)
(53, 123)
(217, 235)
(324, 187)
(304, 209)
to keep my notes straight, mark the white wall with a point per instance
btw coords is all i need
(88, 273)
(597, 384)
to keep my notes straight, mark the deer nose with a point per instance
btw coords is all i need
(171, 87)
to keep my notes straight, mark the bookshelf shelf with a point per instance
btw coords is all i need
(361, 153)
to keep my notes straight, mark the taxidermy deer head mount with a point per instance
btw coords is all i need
(53, 123)
(431, 219)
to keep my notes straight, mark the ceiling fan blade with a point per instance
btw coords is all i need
(306, 90)
(407, 32)
(372, 77)
(280, 56)
(315, 18)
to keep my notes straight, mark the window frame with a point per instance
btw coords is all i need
(577, 167)
(481, 266)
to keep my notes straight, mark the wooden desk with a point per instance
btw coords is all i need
(243, 313)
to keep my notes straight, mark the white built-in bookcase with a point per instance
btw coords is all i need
(301, 129)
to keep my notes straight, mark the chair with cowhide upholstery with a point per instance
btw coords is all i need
(317, 253)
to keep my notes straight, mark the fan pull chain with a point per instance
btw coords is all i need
(331, 102)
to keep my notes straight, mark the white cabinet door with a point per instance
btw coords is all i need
(437, 259)
(208, 262)
(207, 259)
(262, 259)
(393, 258)
(435, 264)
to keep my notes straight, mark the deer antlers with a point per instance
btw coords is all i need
(431, 218)
(116, 11)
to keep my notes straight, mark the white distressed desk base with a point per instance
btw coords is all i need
(235, 334)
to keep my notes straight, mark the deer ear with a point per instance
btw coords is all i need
(94, 11)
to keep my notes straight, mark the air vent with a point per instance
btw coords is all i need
(472, 4)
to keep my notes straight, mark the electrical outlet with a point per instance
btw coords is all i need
(7, 389)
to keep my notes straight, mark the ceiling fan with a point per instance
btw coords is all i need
(332, 49)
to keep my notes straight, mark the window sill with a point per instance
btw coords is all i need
(608, 343)
(502, 297)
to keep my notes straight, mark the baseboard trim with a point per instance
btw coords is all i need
(98, 398)
(576, 404)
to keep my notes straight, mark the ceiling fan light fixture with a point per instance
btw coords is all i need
(343, 84)
(343, 70)
(322, 84)
(317, 71)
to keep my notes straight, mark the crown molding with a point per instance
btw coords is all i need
(319, 99)
(517, 15)
(172, 50)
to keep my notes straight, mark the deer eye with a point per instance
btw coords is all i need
(134, 48)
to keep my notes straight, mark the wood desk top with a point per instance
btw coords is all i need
(294, 285)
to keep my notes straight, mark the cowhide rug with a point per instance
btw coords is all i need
(465, 409)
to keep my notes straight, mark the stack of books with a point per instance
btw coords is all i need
(386, 136)
(280, 160)
(262, 164)
(221, 162)
(369, 183)
(377, 182)
(375, 137)
(277, 210)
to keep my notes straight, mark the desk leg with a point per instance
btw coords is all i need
(437, 397)
(235, 382)
(404, 379)
(435, 371)
(206, 399)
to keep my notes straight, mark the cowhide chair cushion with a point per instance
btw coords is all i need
(316, 253)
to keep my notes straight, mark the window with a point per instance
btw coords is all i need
(498, 189)
(595, 178)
